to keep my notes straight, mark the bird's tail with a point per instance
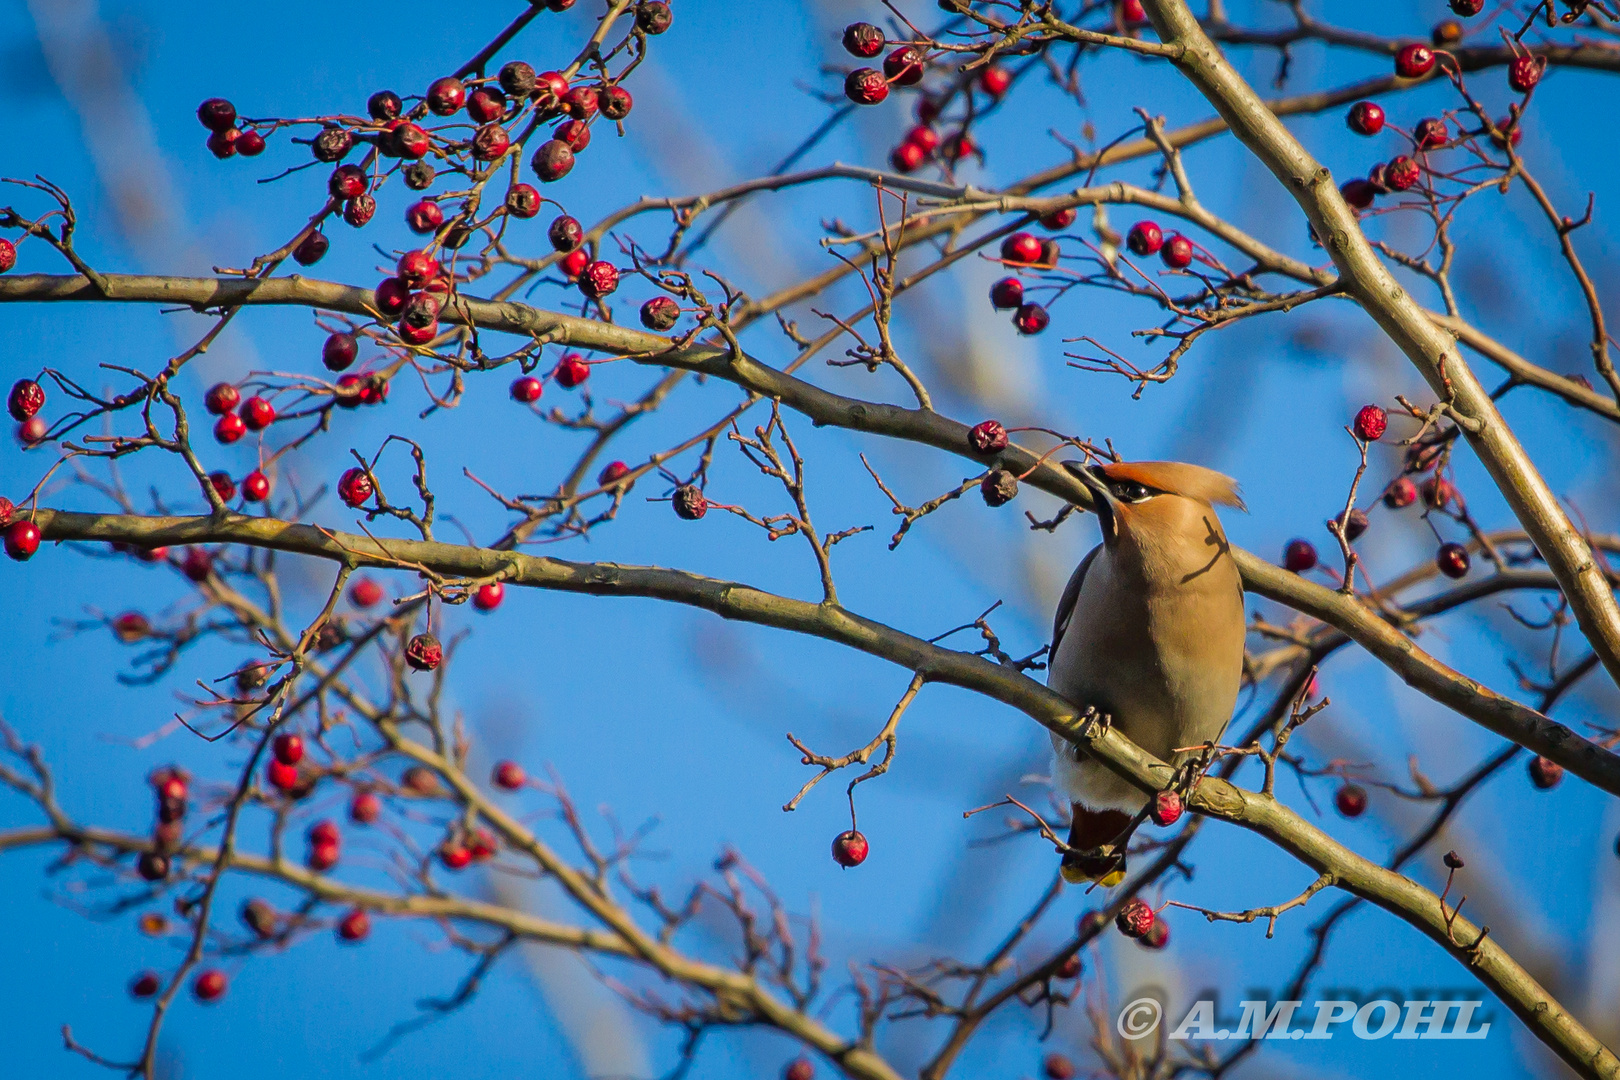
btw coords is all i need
(1097, 840)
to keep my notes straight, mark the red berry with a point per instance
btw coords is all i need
(1414, 61)
(1402, 173)
(904, 66)
(354, 926)
(574, 263)
(1007, 293)
(660, 313)
(552, 160)
(1351, 799)
(1358, 193)
(30, 433)
(249, 143)
(1452, 559)
(849, 849)
(576, 133)
(571, 371)
(615, 102)
(144, 985)
(1524, 73)
(1031, 319)
(490, 143)
(1437, 492)
(1467, 8)
(257, 413)
(322, 857)
(485, 105)
(599, 279)
(924, 138)
(364, 593)
(1131, 13)
(27, 398)
(340, 351)
(907, 157)
(365, 808)
(581, 102)
(995, 80)
(987, 437)
(1070, 968)
(311, 249)
(1145, 238)
(1354, 525)
(324, 832)
(255, 486)
(288, 748)
(1545, 773)
(612, 473)
(690, 503)
(1058, 220)
(217, 114)
(1057, 1067)
(509, 775)
(423, 652)
(1158, 935)
(152, 866)
(489, 597)
(197, 563)
(865, 86)
(1370, 423)
(1177, 252)
(229, 428)
(1022, 248)
(8, 255)
(346, 182)
(423, 217)
(408, 141)
(549, 88)
(522, 201)
(282, 777)
(391, 297)
(355, 487)
(446, 96)
(1431, 133)
(863, 40)
(1509, 128)
(1400, 494)
(454, 856)
(1365, 118)
(384, 105)
(209, 985)
(416, 267)
(526, 389)
(1166, 808)
(1135, 919)
(222, 144)
(1299, 556)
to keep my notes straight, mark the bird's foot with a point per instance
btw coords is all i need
(1095, 723)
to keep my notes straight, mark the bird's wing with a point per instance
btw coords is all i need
(1071, 593)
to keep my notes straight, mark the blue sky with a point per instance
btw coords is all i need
(658, 712)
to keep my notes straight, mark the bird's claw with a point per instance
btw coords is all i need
(1096, 723)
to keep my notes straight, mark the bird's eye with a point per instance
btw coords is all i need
(1132, 492)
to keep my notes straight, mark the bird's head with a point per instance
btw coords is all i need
(1146, 500)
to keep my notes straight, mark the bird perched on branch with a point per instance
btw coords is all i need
(1149, 633)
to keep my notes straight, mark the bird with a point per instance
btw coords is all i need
(1148, 636)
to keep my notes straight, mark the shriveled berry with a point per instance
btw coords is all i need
(1177, 252)
(1437, 492)
(999, 487)
(509, 775)
(1299, 556)
(223, 485)
(866, 86)
(1031, 319)
(217, 114)
(419, 176)
(1402, 173)
(599, 279)
(365, 808)
(1448, 32)
(1452, 559)
(346, 182)
(424, 217)
(407, 141)
(565, 233)
(690, 503)
(1158, 935)
(1370, 423)
(1021, 248)
(581, 102)
(1545, 773)
(332, 144)
(1134, 919)
(653, 16)
(660, 313)
(571, 371)
(1145, 238)
(490, 143)
(1400, 494)
(904, 66)
(355, 487)
(615, 102)
(485, 105)
(209, 985)
(517, 78)
(850, 848)
(340, 351)
(311, 249)
(229, 428)
(612, 473)
(1008, 293)
(446, 96)
(575, 133)
(1452, 860)
(527, 389)
(522, 201)
(489, 596)
(1467, 8)
(423, 652)
(27, 398)
(1166, 808)
(1354, 524)
(8, 254)
(1525, 72)
(552, 160)
(359, 210)
(1365, 118)
(255, 486)
(1414, 61)
(257, 413)
(987, 437)
(1351, 799)
(861, 39)
(384, 105)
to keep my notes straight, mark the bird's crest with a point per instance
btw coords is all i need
(1179, 478)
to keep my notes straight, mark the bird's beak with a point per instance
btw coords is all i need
(1103, 501)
